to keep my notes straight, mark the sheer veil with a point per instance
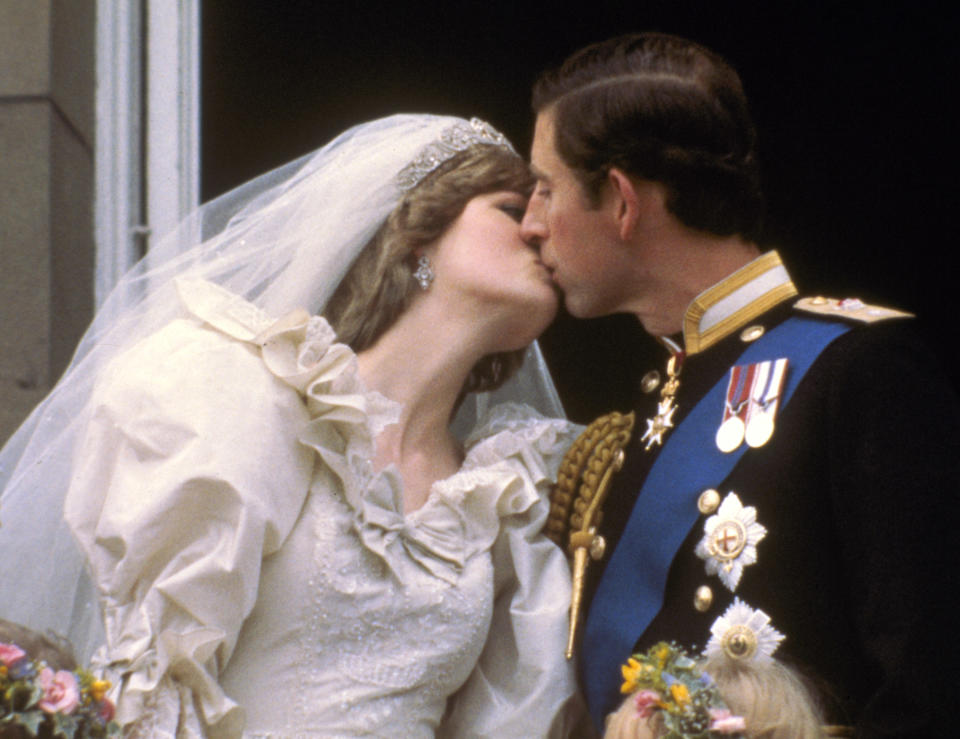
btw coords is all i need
(281, 241)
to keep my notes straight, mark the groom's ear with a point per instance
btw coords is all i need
(625, 202)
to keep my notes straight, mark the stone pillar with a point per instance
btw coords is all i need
(47, 128)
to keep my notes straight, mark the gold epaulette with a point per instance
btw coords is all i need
(853, 309)
(575, 504)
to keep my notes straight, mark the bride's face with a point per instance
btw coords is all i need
(484, 263)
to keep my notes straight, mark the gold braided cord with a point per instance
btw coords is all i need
(581, 471)
(587, 468)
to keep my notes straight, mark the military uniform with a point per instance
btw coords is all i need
(854, 485)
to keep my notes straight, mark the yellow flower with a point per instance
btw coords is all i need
(680, 695)
(3, 670)
(99, 689)
(661, 652)
(631, 674)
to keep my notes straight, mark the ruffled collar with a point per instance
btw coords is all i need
(510, 455)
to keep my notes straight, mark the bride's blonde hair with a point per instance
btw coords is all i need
(380, 283)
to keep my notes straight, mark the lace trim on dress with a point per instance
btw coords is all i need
(511, 455)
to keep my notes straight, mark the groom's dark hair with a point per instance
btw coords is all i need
(665, 109)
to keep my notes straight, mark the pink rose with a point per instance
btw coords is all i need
(725, 722)
(10, 653)
(646, 701)
(61, 694)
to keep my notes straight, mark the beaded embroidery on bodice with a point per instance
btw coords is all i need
(372, 656)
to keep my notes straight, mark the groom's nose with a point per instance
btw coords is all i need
(533, 227)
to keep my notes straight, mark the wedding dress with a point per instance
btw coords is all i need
(255, 571)
(193, 503)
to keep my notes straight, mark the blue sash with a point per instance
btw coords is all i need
(631, 591)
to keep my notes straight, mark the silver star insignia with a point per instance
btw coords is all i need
(659, 424)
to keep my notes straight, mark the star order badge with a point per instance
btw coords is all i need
(730, 539)
(743, 633)
(660, 423)
(663, 420)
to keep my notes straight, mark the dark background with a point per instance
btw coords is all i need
(853, 101)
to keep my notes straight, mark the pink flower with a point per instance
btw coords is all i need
(61, 694)
(725, 722)
(646, 701)
(106, 711)
(10, 653)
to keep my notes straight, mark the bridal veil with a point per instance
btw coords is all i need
(281, 241)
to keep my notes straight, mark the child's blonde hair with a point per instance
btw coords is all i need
(774, 701)
(771, 698)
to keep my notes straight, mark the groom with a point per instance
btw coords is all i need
(797, 455)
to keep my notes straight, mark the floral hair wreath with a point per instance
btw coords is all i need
(666, 679)
(42, 702)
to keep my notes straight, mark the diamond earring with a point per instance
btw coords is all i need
(424, 274)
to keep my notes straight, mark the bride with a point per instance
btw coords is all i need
(284, 534)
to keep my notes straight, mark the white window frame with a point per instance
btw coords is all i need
(147, 159)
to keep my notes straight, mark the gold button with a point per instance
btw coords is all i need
(650, 381)
(598, 547)
(751, 333)
(618, 460)
(739, 642)
(703, 599)
(819, 300)
(708, 501)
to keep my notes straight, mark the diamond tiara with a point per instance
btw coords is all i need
(458, 137)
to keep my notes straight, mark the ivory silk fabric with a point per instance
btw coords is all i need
(259, 578)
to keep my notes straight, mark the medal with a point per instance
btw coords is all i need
(732, 428)
(760, 430)
(750, 406)
(764, 401)
(730, 434)
(663, 420)
(730, 538)
(659, 424)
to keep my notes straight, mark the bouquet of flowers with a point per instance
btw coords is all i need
(39, 701)
(667, 680)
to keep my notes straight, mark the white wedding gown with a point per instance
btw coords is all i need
(258, 577)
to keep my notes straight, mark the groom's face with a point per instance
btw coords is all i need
(573, 236)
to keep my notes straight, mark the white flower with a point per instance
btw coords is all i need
(730, 540)
(743, 633)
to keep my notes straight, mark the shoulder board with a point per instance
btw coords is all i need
(852, 309)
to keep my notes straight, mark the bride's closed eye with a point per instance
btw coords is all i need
(514, 211)
(514, 205)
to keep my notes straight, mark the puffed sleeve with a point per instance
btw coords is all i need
(523, 686)
(189, 474)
